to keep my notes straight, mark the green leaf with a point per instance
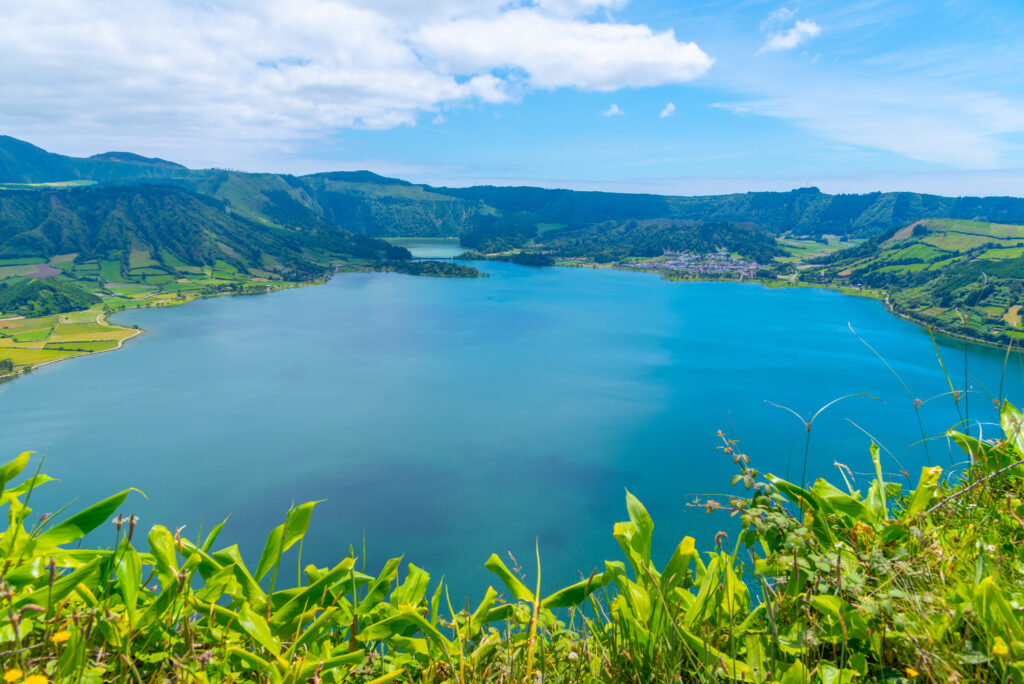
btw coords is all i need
(256, 626)
(479, 616)
(996, 613)
(380, 586)
(10, 470)
(575, 594)
(836, 501)
(29, 484)
(164, 552)
(85, 576)
(280, 540)
(924, 493)
(678, 565)
(212, 536)
(77, 526)
(796, 674)
(397, 623)
(639, 516)
(129, 576)
(413, 589)
(515, 587)
(309, 598)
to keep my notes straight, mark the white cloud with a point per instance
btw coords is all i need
(438, 120)
(201, 77)
(613, 111)
(553, 52)
(780, 35)
(668, 110)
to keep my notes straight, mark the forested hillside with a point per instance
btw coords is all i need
(499, 217)
(22, 162)
(611, 241)
(166, 225)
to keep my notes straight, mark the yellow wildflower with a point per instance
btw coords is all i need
(999, 648)
(911, 672)
(12, 675)
(36, 679)
(61, 636)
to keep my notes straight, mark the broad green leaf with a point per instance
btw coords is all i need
(378, 589)
(309, 597)
(129, 576)
(834, 500)
(639, 516)
(353, 658)
(281, 539)
(1013, 426)
(86, 576)
(922, 496)
(479, 616)
(575, 594)
(256, 626)
(515, 587)
(413, 589)
(10, 470)
(165, 557)
(996, 612)
(796, 674)
(397, 623)
(30, 484)
(678, 565)
(81, 524)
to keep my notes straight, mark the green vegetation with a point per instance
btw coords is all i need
(607, 242)
(964, 277)
(822, 584)
(440, 269)
(43, 297)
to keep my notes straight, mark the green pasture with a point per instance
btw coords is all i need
(82, 345)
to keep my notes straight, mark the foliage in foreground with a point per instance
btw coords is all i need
(822, 585)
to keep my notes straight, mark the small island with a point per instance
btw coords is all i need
(436, 269)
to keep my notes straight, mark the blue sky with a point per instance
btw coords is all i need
(644, 95)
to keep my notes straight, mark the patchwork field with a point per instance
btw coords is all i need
(962, 276)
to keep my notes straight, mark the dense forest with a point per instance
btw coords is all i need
(610, 241)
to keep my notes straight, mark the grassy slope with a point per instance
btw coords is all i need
(943, 270)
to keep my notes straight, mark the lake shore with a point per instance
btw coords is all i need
(879, 295)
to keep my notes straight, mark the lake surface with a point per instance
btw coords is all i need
(430, 248)
(452, 418)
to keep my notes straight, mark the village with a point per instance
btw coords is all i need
(718, 263)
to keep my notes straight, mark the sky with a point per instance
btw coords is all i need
(662, 96)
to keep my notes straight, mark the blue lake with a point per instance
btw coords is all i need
(451, 418)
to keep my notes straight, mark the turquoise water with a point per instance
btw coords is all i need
(452, 418)
(430, 248)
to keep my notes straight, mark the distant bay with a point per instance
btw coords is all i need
(452, 418)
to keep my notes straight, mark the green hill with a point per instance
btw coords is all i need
(940, 270)
(22, 162)
(43, 297)
(166, 228)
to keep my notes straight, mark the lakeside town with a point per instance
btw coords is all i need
(714, 264)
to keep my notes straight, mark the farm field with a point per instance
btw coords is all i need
(963, 277)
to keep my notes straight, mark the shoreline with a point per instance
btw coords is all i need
(877, 295)
(881, 296)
